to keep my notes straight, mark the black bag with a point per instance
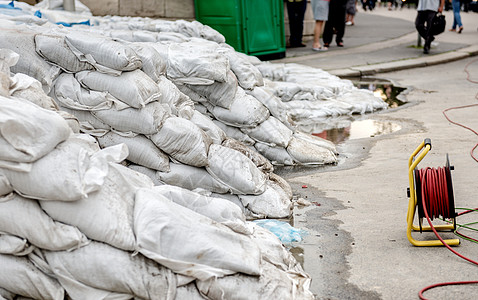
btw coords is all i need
(438, 24)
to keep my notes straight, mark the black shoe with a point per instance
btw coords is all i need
(426, 49)
(297, 45)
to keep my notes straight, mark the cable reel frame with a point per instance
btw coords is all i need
(414, 193)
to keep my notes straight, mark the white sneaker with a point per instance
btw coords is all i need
(348, 23)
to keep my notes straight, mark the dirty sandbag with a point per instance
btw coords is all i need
(190, 178)
(189, 243)
(134, 88)
(195, 97)
(248, 76)
(142, 151)
(231, 198)
(363, 101)
(288, 91)
(7, 295)
(180, 104)
(272, 203)
(196, 62)
(189, 292)
(8, 58)
(115, 272)
(208, 126)
(219, 210)
(152, 174)
(272, 283)
(72, 121)
(245, 111)
(146, 120)
(260, 161)
(28, 88)
(20, 39)
(285, 186)
(102, 52)
(25, 218)
(307, 153)
(183, 140)
(19, 276)
(321, 142)
(235, 170)
(218, 93)
(107, 214)
(283, 230)
(28, 132)
(68, 92)
(88, 123)
(235, 133)
(70, 172)
(153, 64)
(275, 106)
(276, 155)
(52, 47)
(271, 132)
(5, 186)
(14, 245)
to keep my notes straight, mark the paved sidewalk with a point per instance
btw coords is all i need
(384, 41)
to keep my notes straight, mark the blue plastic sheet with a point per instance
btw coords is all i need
(74, 23)
(9, 6)
(286, 233)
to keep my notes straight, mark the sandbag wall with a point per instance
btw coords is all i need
(76, 223)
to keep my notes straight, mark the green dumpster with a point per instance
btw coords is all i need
(254, 27)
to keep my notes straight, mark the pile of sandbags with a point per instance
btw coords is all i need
(76, 223)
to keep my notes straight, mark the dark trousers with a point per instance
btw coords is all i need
(423, 24)
(296, 12)
(336, 21)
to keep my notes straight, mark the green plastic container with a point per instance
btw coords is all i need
(254, 27)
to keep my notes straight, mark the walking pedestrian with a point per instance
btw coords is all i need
(296, 12)
(320, 9)
(351, 8)
(457, 25)
(335, 23)
(426, 11)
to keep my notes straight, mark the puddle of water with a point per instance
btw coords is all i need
(358, 130)
(381, 88)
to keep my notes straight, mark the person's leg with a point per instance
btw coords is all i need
(293, 23)
(456, 5)
(328, 31)
(317, 33)
(420, 24)
(429, 15)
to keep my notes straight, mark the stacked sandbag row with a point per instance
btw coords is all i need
(119, 94)
(71, 218)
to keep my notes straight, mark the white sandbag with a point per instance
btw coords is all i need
(70, 172)
(217, 209)
(20, 39)
(234, 133)
(25, 218)
(152, 63)
(184, 141)
(19, 276)
(72, 121)
(52, 48)
(189, 292)
(142, 151)
(259, 160)
(247, 74)
(28, 88)
(180, 104)
(99, 271)
(231, 198)
(245, 111)
(8, 58)
(146, 120)
(28, 132)
(273, 283)
(5, 186)
(134, 88)
(318, 141)
(235, 170)
(68, 92)
(306, 153)
(189, 243)
(275, 106)
(271, 132)
(277, 155)
(196, 62)
(218, 93)
(106, 215)
(190, 178)
(6, 295)
(190, 93)
(282, 183)
(208, 126)
(14, 245)
(88, 123)
(102, 52)
(288, 91)
(152, 174)
(272, 203)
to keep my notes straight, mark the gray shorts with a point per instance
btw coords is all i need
(320, 9)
